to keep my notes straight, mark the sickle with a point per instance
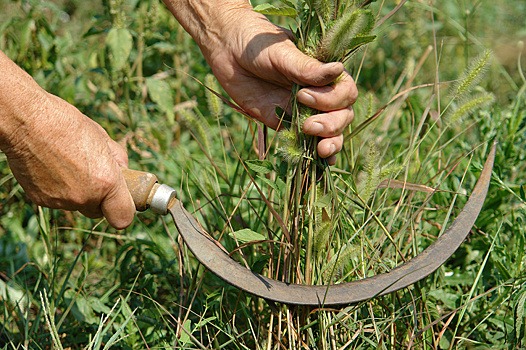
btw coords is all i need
(161, 199)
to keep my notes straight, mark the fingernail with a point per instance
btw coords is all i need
(306, 98)
(332, 148)
(315, 128)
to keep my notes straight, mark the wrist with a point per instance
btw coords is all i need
(212, 24)
(20, 99)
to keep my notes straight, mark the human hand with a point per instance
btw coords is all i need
(64, 160)
(256, 62)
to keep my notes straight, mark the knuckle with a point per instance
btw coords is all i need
(104, 182)
(310, 74)
(353, 94)
(332, 129)
(104, 185)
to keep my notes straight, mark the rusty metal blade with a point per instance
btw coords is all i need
(208, 252)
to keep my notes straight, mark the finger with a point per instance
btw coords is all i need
(328, 147)
(260, 99)
(330, 97)
(329, 124)
(302, 69)
(118, 207)
(118, 152)
(92, 211)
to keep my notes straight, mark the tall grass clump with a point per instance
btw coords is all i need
(329, 31)
(310, 207)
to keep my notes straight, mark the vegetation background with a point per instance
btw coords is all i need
(73, 283)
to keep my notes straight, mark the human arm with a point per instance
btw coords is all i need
(256, 62)
(60, 157)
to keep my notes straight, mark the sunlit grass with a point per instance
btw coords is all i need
(70, 282)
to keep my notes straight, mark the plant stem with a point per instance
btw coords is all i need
(310, 234)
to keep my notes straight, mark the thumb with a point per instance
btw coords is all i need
(308, 71)
(118, 207)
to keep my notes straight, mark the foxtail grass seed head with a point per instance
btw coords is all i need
(389, 172)
(215, 105)
(325, 9)
(153, 14)
(321, 237)
(292, 155)
(197, 125)
(371, 172)
(289, 148)
(355, 23)
(469, 106)
(370, 103)
(305, 113)
(287, 137)
(472, 75)
(118, 13)
(336, 266)
(372, 157)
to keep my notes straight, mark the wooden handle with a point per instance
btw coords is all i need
(140, 184)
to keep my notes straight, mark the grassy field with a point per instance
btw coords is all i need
(451, 77)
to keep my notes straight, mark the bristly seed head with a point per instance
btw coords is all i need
(290, 149)
(472, 75)
(470, 106)
(355, 23)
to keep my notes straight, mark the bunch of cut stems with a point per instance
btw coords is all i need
(327, 30)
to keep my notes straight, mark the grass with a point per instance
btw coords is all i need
(70, 282)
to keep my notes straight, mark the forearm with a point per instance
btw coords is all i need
(20, 98)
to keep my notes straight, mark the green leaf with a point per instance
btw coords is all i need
(46, 40)
(185, 339)
(360, 41)
(288, 3)
(520, 317)
(205, 321)
(260, 166)
(13, 296)
(164, 47)
(444, 342)
(98, 306)
(450, 300)
(247, 235)
(82, 309)
(277, 185)
(120, 42)
(324, 202)
(271, 10)
(161, 93)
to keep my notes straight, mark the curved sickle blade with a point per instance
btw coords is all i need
(209, 253)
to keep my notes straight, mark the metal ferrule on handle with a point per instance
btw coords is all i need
(161, 198)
